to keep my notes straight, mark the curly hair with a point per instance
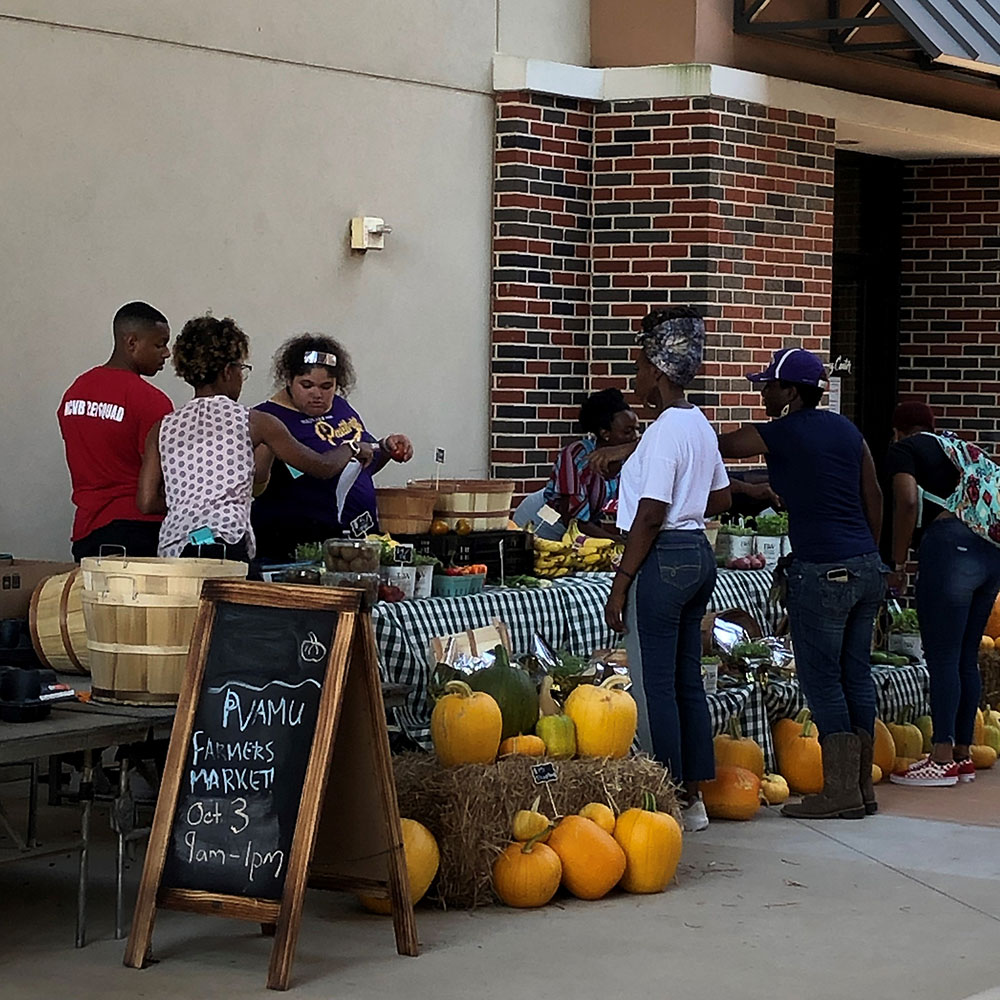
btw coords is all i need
(205, 346)
(599, 409)
(289, 363)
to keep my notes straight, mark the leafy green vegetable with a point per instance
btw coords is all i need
(772, 525)
(751, 651)
(309, 552)
(904, 620)
(419, 559)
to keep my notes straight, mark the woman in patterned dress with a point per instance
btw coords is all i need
(198, 465)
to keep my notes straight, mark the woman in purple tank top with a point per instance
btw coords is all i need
(313, 375)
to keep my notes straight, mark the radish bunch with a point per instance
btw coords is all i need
(747, 562)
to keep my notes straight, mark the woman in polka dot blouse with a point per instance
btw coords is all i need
(198, 466)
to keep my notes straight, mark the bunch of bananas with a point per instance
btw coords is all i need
(574, 552)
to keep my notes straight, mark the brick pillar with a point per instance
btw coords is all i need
(540, 362)
(950, 309)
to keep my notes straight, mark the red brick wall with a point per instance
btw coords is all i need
(709, 202)
(950, 316)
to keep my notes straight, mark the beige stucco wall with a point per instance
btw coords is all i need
(172, 168)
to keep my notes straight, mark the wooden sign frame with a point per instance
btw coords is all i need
(350, 746)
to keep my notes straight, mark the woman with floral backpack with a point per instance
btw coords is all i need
(950, 488)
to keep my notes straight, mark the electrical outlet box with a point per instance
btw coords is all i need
(368, 232)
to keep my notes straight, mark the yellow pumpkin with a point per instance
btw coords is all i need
(530, 824)
(907, 739)
(993, 625)
(592, 860)
(527, 875)
(522, 746)
(986, 643)
(600, 814)
(737, 750)
(876, 774)
(775, 789)
(605, 718)
(422, 861)
(801, 762)
(651, 841)
(465, 726)
(734, 793)
(982, 756)
(884, 750)
(977, 732)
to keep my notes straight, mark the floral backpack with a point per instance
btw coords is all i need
(976, 500)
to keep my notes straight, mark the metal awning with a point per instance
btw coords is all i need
(962, 35)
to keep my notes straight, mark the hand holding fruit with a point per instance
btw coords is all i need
(398, 447)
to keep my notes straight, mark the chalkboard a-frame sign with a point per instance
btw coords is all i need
(278, 772)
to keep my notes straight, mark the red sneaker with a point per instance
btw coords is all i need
(966, 769)
(927, 773)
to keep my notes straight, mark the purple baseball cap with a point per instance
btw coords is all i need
(793, 364)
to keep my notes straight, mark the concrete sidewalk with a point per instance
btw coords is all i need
(889, 907)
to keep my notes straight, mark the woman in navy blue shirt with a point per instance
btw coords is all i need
(822, 469)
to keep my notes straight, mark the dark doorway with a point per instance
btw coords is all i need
(867, 224)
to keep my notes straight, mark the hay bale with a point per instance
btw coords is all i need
(989, 668)
(469, 809)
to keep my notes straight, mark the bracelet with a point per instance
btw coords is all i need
(625, 573)
(354, 446)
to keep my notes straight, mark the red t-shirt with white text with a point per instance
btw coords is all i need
(104, 418)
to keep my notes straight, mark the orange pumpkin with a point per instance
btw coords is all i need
(993, 625)
(651, 841)
(785, 730)
(733, 794)
(592, 860)
(737, 750)
(527, 875)
(884, 749)
(800, 761)
(522, 746)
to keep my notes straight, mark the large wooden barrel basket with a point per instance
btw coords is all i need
(140, 615)
(56, 623)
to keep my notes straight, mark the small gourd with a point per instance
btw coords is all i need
(732, 747)
(522, 746)
(528, 874)
(876, 774)
(775, 789)
(512, 689)
(977, 732)
(982, 756)
(465, 726)
(991, 717)
(422, 861)
(785, 730)
(883, 749)
(902, 763)
(554, 727)
(734, 793)
(600, 814)
(529, 824)
(991, 736)
(651, 841)
(605, 717)
(592, 860)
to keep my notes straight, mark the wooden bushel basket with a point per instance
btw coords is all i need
(484, 503)
(404, 510)
(140, 614)
(56, 623)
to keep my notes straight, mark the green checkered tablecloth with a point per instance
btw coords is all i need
(569, 614)
(897, 689)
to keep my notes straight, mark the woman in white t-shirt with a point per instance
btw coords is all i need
(671, 482)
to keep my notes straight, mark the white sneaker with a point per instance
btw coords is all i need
(695, 817)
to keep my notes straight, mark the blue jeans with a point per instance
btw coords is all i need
(667, 602)
(958, 582)
(831, 611)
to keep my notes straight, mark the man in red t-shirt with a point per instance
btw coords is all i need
(104, 418)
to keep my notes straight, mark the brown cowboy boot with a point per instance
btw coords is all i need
(865, 782)
(841, 795)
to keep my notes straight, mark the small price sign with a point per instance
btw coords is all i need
(439, 455)
(543, 774)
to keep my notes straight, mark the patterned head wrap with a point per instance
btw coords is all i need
(674, 345)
